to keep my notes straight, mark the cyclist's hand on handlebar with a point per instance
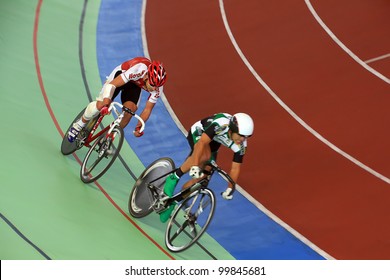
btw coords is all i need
(227, 194)
(196, 172)
(104, 111)
(137, 133)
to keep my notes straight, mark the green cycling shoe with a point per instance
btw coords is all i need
(169, 188)
(166, 214)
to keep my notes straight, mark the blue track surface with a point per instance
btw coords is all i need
(244, 230)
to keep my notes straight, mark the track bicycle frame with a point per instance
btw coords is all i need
(113, 106)
(161, 202)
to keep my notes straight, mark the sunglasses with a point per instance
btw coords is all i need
(245, 136)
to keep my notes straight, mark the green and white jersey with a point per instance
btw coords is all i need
(217, 127)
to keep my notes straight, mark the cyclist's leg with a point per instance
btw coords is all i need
(90, 112)
(173, 179)
(209, 155)
(214, 147)
(95, 106)
(130, 98)
(166, 214)
(169, 188)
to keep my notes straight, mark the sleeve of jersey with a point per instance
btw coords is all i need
(238, 157)
(210, 131)
(239, 152)
(134, 73)
(154, 95)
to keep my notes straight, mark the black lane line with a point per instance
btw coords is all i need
(90, 98)
(81, 29)
(18, 232)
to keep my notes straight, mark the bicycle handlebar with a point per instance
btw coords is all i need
(215, 166)
(114, 106)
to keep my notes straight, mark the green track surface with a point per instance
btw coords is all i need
(40, 190)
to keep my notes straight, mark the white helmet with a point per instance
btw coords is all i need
(242, 124)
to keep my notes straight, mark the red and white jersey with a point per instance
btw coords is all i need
(133, 71)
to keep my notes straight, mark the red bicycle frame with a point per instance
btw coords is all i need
(91, 137)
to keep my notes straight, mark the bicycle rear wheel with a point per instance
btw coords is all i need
(101, 155)
(69, 147)
(141, 199)
(190, 220)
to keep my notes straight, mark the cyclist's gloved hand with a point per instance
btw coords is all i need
(137, 133)
(104, 111)
(227, 194)
(196, 172)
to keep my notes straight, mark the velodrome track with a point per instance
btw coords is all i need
(56, 58)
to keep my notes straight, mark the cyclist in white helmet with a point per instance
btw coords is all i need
(205, 138)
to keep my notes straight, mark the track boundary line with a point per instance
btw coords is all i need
(54, 119)
(290, 111)
(146, 53)
(21, 235)
(165, 100)
(377, 58)
(344, 47)
(300, 121)
(85, 80)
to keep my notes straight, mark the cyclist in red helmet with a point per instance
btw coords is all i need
(128, 78)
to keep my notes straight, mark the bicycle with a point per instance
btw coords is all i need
(196, 204)
(102, 152)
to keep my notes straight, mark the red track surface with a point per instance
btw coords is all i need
(337, 205)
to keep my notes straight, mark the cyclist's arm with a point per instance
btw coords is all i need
(146, 112)
(234, 172)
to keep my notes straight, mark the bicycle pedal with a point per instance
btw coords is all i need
(82, 134)
(159, 209)
(161, 205)
(110, 152)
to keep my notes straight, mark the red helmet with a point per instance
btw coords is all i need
(157, 74)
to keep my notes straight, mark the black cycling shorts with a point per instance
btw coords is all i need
(129, 91)
(214, 146)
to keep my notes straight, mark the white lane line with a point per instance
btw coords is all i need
(247, 195)
(143, 31)
(239, 188)
(146, 53)
(255, 202)
(348, 51)
(289, 110)
(377, 58)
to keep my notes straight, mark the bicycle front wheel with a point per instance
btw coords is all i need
(190, 220)
(101, 155)
(69, 147)
(141, 198)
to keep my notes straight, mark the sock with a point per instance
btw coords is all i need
(80, 123)
(179, 173)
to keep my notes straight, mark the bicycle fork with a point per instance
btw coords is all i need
(202, 204)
